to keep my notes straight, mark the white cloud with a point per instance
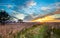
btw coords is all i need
(31, 3)
(18, 15)
(45, 8)
(51, 6)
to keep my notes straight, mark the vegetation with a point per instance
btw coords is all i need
(36, 31)
(3, 16)
(20, 20)
(40, 31)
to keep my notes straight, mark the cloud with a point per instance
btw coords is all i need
(57, 11)
(58, 5)
(18, 15)
(45, 8)
(9, 6)
(31, 3)
(55, 5)
(56, 16)
(2, 9)
(51, 6)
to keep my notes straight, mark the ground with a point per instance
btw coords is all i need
(30, 30)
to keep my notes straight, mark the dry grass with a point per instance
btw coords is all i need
(30, 30)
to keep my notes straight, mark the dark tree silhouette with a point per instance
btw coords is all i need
(20, 20)
(4, 16)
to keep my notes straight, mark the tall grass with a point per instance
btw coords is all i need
(37, 31)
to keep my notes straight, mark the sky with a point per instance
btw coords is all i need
(26, 9)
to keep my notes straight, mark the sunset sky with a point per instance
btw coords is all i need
(29, 9)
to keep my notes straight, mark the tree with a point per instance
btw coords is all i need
(4, 16)
(20, 20)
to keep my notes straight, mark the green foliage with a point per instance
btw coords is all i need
(34, 32)
(39, 31)
(56, 32)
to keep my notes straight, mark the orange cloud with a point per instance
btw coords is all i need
(46, 19)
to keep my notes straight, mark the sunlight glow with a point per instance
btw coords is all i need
(46, 19)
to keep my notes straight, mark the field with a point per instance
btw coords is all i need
(30, 30)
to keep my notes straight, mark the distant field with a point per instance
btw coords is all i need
(30, 30)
